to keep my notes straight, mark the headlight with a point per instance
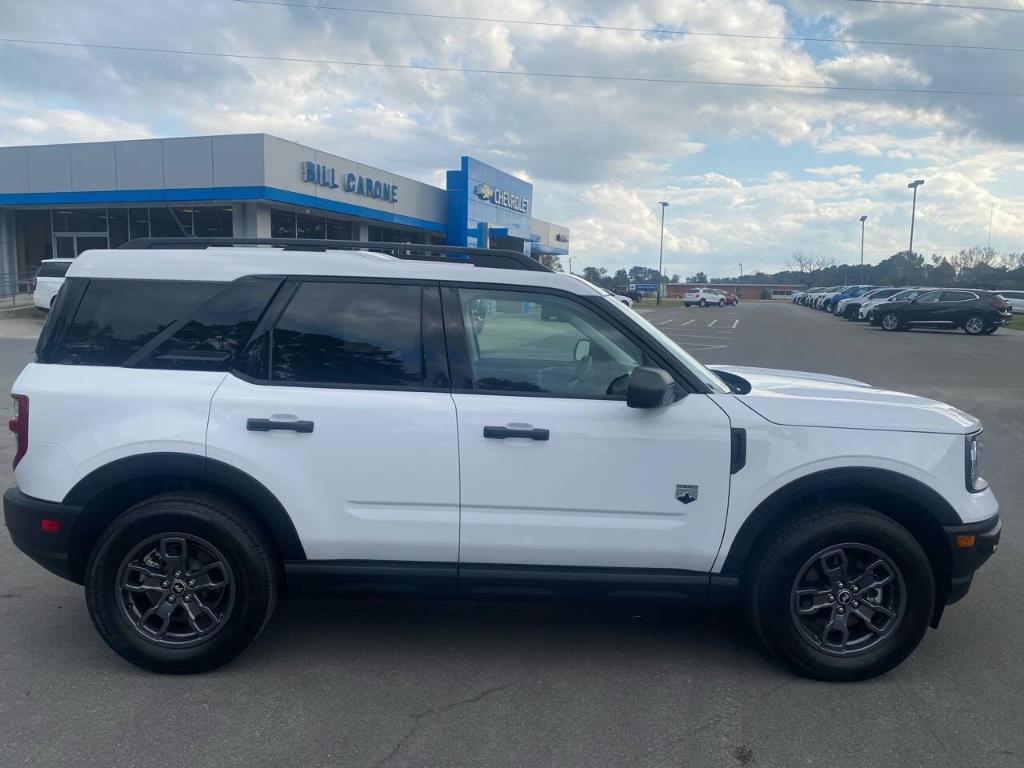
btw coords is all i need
(975, 482)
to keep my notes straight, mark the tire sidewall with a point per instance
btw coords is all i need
(253, 587)
(899, 545)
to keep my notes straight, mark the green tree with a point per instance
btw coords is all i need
(700, 277)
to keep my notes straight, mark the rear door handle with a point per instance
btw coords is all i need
(266, 425)
(500, 433)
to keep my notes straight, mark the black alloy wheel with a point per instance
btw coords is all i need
(848, 598)
(175, 589)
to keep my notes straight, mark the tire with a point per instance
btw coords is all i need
(890, 321)
(990, 331)
(685, 304)
(703, 303)
(205, 626)
(803, 548)
(850, 314)
(975, 325)
(721, 302)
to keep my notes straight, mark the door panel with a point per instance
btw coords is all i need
(601, 490)
(376, 479)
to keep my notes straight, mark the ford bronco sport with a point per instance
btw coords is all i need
(206, 429)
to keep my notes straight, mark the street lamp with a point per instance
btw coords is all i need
(862, 220)
(741, 271)
(913, 211)
(661, 252)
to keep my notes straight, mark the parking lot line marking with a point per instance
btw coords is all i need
(665, 322)
(712, 322)
(735, 323)
(689, 321)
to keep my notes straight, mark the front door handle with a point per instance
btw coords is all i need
(500, 433)
(266, 425)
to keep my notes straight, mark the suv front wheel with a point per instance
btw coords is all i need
(181, 583)
(841, 593)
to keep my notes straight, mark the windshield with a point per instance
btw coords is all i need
(705, 375)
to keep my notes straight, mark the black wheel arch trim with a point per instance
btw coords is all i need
(211, 472)
(862, 481)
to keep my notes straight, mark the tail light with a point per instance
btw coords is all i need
(19, 426)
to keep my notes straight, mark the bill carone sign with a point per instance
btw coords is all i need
(323, 176)
(502, 197)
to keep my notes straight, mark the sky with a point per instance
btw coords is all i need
(751, 174)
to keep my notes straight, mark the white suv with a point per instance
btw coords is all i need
(49, 279)
(204, 430)
(703, 297)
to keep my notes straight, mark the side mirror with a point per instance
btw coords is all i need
(582, 350)
(650, 388)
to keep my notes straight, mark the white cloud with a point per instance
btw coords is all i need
(834, 170)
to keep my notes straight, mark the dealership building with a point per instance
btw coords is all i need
(59, 200)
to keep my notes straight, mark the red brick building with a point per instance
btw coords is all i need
(746, 291)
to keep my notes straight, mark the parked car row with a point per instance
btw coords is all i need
(977, 312)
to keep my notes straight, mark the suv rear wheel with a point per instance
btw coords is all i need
(703, 302)
(975, 325)
(841, 593)
(181, 583)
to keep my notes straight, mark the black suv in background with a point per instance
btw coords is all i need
(979, 313)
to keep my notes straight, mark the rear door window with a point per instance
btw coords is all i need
(362, 335)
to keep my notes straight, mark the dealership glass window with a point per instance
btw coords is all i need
(33, 241)
(211, 221)
(117, 222)
(138, 222)
(163, 224)
(282, 223)
(80, 220)
(339, 230)
(184, 219)
(309, 227)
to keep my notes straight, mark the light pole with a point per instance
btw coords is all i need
(862, 220)
(570, 264)
(661, 252)
(741, 271)
(913, 211)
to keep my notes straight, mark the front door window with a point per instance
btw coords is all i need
(537, 343)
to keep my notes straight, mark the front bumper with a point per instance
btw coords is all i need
(24, 516)
(971, 546)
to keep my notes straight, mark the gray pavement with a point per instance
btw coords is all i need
(396, 683)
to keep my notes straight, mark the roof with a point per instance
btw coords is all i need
(226, 264)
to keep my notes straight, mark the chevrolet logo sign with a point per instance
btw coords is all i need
(484, 191)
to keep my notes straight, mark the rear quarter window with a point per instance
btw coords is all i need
(53, 269)
(116, 318)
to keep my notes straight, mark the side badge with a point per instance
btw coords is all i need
(686, 493)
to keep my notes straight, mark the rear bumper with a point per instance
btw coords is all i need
(23, 516)
(968, 559)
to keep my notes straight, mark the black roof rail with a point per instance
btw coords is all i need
(494, 258)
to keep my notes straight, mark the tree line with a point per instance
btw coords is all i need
(983, 268)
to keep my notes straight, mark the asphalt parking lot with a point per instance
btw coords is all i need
(395, 683)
